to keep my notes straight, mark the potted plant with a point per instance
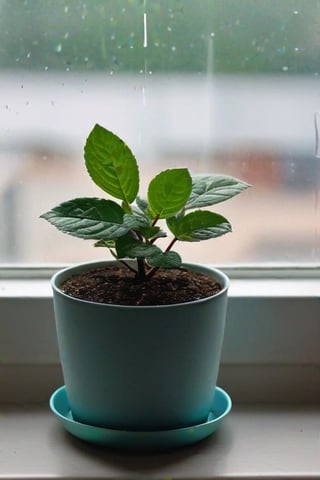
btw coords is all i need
(140, 337)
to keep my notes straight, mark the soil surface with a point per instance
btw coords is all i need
(117, 285)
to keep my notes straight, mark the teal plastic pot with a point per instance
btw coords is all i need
(141, 367)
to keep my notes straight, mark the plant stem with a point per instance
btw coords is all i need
(153, 270)
(141, 274)
(155, 220)
(173, 241)
(123, 262)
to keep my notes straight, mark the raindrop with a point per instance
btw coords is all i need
(17, 59)
(111, 72)
(295, 12)
(58, 48)
(28, 55)
(46, 68)
(150, 72)
(112, 37)
(156, 44)
(316, 126)
(123, 10)
(285, 68)
(212, 34)
(66, 9)
(67, 69)
(21, 86)
(145, 31)
(83, 17)
(141, 71)
(66, 35)
(173, 48)
(169, 29)
(86, 59)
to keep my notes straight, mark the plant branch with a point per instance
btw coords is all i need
(156, 218)
(173, 241)
(123, 262)
(153, 270)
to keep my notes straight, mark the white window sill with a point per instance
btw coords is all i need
(271, 354)
(254, 442)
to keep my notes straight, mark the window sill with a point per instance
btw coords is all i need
(255, 441)
(271, 349)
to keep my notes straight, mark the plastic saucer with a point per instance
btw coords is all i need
(134, 440)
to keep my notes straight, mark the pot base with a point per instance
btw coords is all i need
(134, 440)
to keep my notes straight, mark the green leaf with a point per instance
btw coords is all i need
(142, 204)
(153, 232)
(111, 164)
(165, 260)
(169, 191)
(199, 225)
(88, 218)
(129, 247)
(136, 220)
(211, 189)
(105, 243)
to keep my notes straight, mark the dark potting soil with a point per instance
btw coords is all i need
(117, 285)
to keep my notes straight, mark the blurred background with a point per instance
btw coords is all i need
(220, 86)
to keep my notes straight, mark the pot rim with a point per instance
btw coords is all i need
(88, 265)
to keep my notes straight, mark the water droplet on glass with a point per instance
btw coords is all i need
(145, 31)
(317, 132)
(58, 48)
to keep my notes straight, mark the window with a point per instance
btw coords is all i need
(228, 86)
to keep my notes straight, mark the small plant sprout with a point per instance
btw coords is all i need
(129, 228)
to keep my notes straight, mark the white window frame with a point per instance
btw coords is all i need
(271, 349)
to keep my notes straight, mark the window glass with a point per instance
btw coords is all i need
(223, 86)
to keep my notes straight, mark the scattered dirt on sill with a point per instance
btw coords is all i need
(117, 285)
